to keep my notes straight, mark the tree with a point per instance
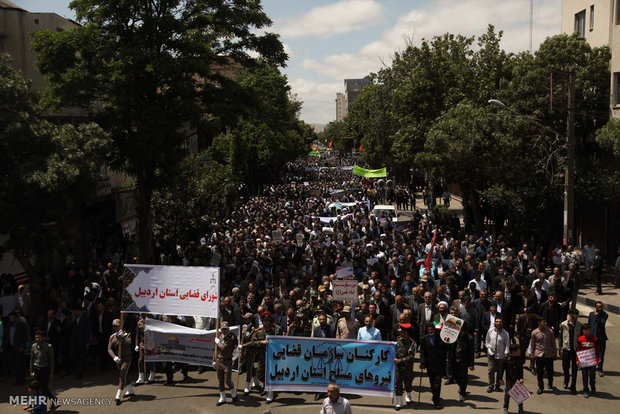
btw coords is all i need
(46, 170)
(148, 71)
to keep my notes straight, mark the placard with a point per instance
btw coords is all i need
(300, 240)
(344, 289)
(451, 328)
(215, 259)
(344, 272)
(519, 393)
(276, 236)
(587, 358)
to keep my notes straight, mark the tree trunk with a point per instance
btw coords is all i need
(145, 222)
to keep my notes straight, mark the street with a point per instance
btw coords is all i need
(200, 394)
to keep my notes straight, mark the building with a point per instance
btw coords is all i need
(599, 23)
(16, 26)
(341, 107)
(352, 89)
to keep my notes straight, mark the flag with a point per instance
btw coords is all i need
(438, 322)
(429, 257)
(330, 143)
(361, 149)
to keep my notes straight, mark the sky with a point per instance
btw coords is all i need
(328, 40)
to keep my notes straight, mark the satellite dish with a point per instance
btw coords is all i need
(381, 183)
(390, 184)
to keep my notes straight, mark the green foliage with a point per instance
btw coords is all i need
(608, 137)
(336, 131)
(428, 111)
(149, 71)
(46, 169)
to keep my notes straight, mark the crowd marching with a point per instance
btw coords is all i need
(279, 252)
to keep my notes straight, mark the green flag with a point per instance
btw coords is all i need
(363, 172)
(438, 322)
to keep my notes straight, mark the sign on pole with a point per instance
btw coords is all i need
(451, 328)
(174, 290)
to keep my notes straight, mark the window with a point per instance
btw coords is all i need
(36, 21)
(616, 89)
(580, 23)
(592, 17)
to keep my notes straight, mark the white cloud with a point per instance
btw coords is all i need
(467, 17)
(342, 17)
(319, 99)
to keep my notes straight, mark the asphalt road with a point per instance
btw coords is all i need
(200, 394)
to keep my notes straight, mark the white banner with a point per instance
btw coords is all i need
(344, 289)
(167, 342)
(519, 393)
(587, 358)
(451, 328)
(174, 290)
(344, 272)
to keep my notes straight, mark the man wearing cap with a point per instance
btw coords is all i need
(570, 331)
(226, 344)
(246, 357)
(405, 352)
(119, 348)
(347, 327)
(259, 345)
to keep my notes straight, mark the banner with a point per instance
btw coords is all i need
(344, 272)
(344, 289)
(587, 358)
(311, 364)
(363, 172)
(168, 342)
(519, 393)
(315, 154)
(451, 328)
(174, 290)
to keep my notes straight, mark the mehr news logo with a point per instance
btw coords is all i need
(34, 400)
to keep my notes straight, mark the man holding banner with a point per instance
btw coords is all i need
(226, 344)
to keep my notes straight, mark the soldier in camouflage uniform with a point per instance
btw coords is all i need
(405, 352)
(246, 357)
(258, 345)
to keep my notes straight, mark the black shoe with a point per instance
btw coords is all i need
(438, 406)
(592, 390)
(566, 385)
(490, 389)
(586, 394)
(53, 407)
(317, 396)
(169, 383)
(462, 397)
(246, 393)
(573, 391)
(540, 391)
(118, 402)
(235, 398)
(448, 382)
(601, 374)
(477, 354)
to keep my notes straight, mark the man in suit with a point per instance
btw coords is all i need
(597, 271)
(16, 338)
(323, 330)
(597, 320)
(433, 358)
(80, 338)
(504, 308)
(395, 310)
(570, 330)
(101, 327)
(379, 321)
(53, 331)
(426, 311)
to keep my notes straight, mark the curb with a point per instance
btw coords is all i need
(588, 301)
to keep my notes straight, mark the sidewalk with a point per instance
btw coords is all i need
(610, 297)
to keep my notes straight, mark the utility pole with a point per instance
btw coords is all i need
(569, 173)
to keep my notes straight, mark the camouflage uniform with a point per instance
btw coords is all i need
(246, 359)
(259, 349)
(405, 351)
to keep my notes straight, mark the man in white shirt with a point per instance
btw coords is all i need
(498, 348)
(334, 403)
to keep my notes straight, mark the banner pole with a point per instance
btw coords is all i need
(217, 320)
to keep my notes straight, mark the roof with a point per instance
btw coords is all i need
(6, 4)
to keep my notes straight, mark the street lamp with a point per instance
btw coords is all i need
(569, 172)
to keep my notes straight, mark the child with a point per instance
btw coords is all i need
(587, 341)
(39, 407)
(514, 373)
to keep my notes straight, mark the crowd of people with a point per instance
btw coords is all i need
(279, 252)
